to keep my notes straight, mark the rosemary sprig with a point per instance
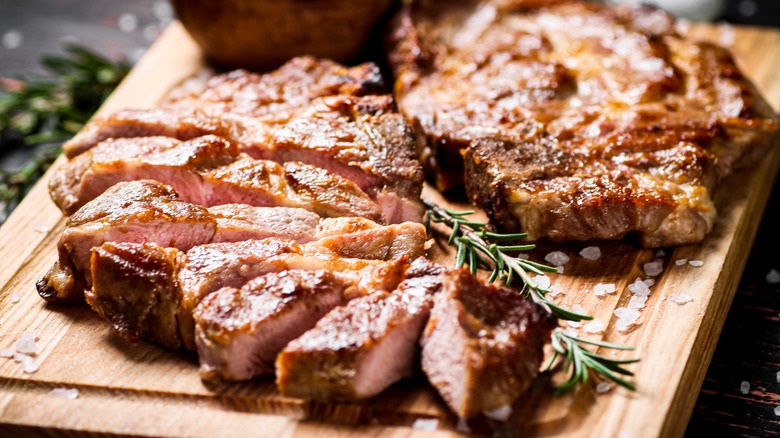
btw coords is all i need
(478, 247)
(41, 114)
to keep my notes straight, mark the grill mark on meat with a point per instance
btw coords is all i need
(205, 269)
(347, 129)
(148, 211)
(358, 350)
(598, 87)
(482, 346)
(208, 171)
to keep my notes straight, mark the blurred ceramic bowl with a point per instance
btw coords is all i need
(263, 34)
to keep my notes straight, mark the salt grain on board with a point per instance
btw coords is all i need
(500, 413)
(681, 299)
(8, 353)
(602, 288)
(773, 277)
(639, 287)
(557, 258)
(777, 411)
(542, 280)
(26, 343)
(649, 282)
(591, 253)
(744, 387)
(593, 327)
(15, 297)
(654, 268)
(555, 289)
(603, 387)
(66, 393)
(42, 228)
(29, 365)
(696, 263)
(575, 324)
(571, 331)
(426, 424)
(637, 302)
(681, 262)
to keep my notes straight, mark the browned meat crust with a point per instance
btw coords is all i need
(358, 350)
(147, 211)
(335, 120)
(207, 171)
(482, 346)
(204, 269)
(613, 122)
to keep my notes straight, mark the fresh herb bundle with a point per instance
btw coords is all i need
(42, 114)
(478, 247)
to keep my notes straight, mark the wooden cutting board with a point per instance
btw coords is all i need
(142, 389)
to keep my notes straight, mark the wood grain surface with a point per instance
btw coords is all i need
(142, 389)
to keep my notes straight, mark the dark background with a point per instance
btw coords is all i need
(749, 347)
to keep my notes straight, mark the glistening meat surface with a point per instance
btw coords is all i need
(577, 120)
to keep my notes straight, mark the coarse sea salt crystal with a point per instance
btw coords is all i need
(578, 309)
(696, 263)
(26, 343)
(681, 262)
(595, 326)
(638, 287)
(777, 411)
(603, 387)
(500, 413)
(40, 227)
(575, 324)
(557, 258)
(744, 387)
(591, 253)
(773, 277)
(637, 302)
(654, 268)
(626, 317)
(681, 299)
(66, 393)
(29, 365)
(427, 424)
(649, 282)
(571, 331)
(555, 290)
(15, 297)
(542, 281)
(8, 353)
(522, 256)
(602, 288)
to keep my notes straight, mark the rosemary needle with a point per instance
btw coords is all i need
(479, 247)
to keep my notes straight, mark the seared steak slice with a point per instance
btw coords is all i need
(208, 171)
(482, 346)
(138, 211)
(237, 222)
(275, 96)
(239, 332)
(610, 89)
(343, 129)
(562, 195)
(205, 269)
(358, 350)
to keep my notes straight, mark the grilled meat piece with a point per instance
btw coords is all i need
(482, 346)
(208, 171)
(147, 211)
(614, 93)
(358, 350)
(343, 129)
(138, 211)
(239, 332)
(205, 269)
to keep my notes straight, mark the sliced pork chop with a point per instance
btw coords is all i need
(205, 269)
(482, 346)
(358, 350)
(208, 171)
(239, 332)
